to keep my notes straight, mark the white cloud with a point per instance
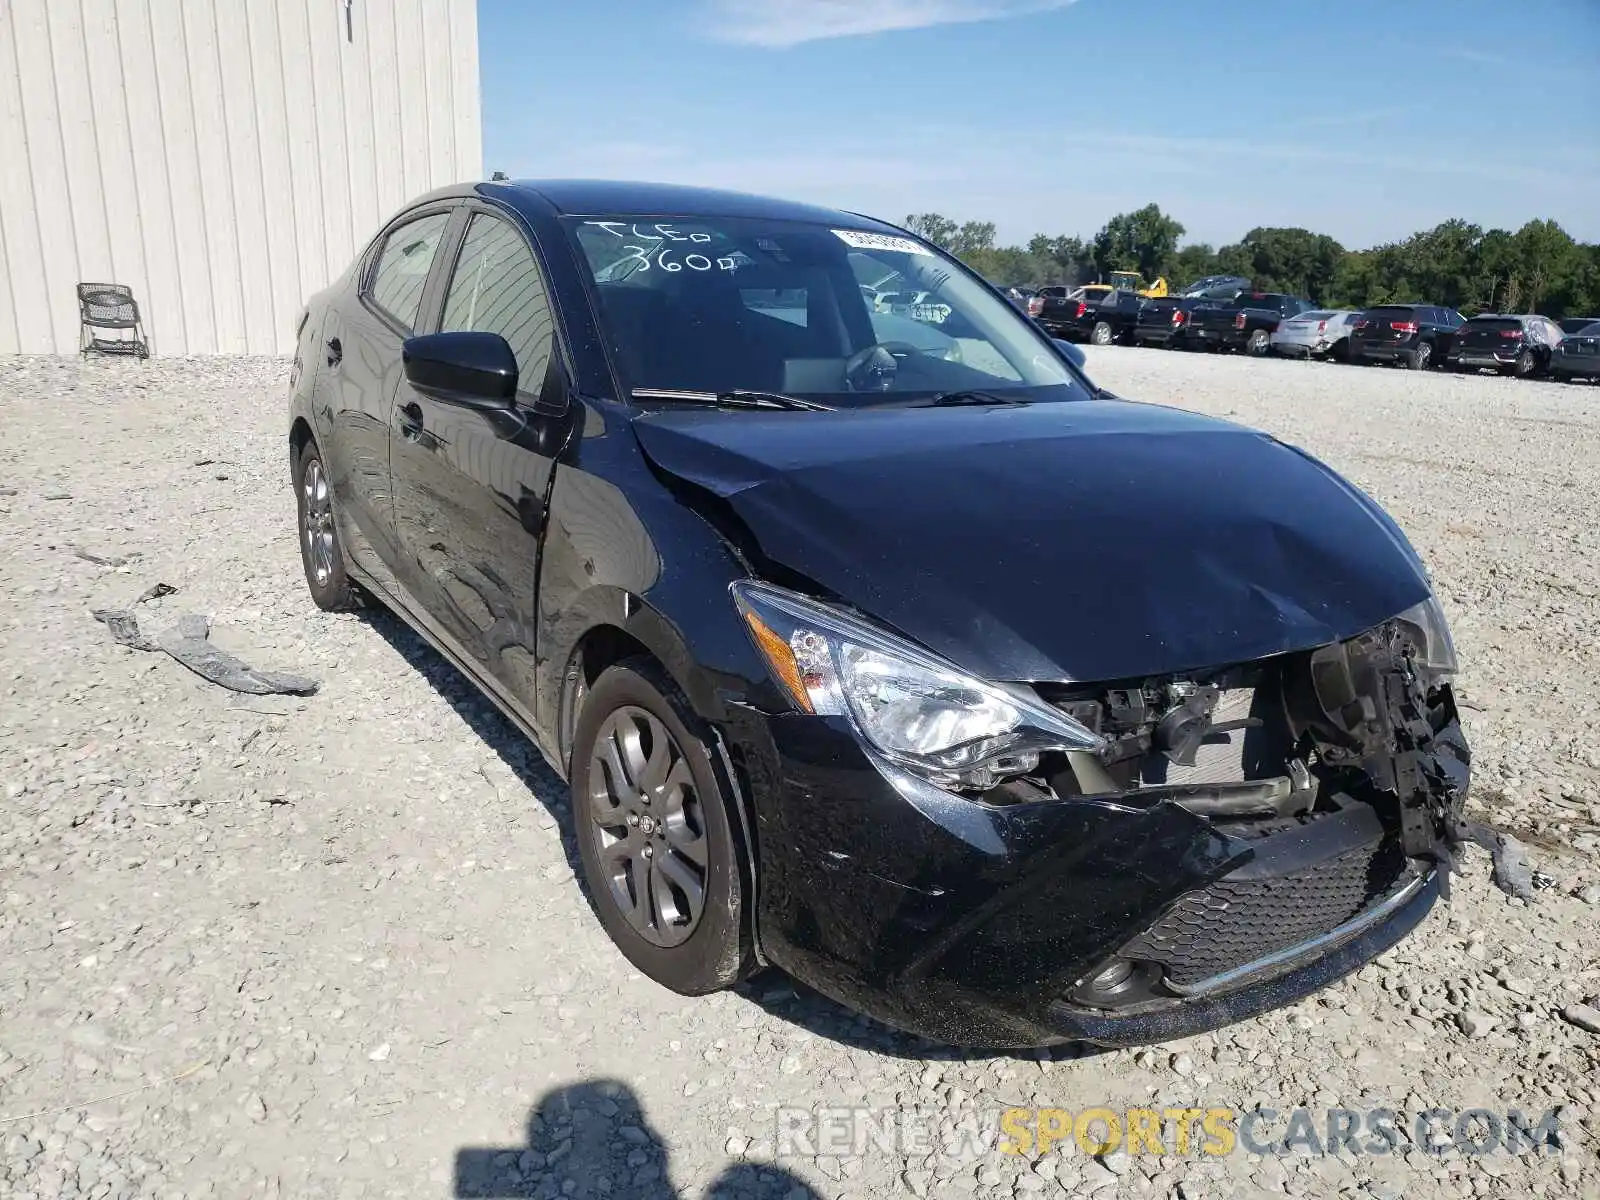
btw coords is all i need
(782, 23)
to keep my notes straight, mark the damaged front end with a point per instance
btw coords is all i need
(1119, 862)
(1337, 775)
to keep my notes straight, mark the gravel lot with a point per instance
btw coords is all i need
(319, 947)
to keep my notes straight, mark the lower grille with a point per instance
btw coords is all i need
(1237, 921)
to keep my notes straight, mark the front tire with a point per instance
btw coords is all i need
(332, 589)
(1101, 335)
(653, 819)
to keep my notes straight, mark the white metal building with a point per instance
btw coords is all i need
(224, 158)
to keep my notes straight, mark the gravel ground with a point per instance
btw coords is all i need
(321, 947)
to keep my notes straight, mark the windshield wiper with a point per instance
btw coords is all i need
(737, 398)
(954, 399)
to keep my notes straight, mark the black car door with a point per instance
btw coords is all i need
(471, 485)
(357, 372)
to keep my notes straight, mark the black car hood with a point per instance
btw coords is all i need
(1089, 540)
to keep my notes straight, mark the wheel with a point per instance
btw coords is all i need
(1524, 365)
(1101, 334)
(1260, 342)
(331, 587)
(653, 822)
(1340, 351)
(1418, 359)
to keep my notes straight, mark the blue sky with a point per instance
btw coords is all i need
(1364, 120)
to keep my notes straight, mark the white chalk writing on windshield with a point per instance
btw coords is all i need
(654, 246)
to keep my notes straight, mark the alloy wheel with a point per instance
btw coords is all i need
(648, 826)
(317, 523)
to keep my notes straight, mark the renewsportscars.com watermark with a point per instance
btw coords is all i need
(1214, 1131)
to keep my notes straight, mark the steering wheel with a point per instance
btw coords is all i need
(873, 369)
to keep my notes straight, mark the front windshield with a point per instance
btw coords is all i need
(837, 316)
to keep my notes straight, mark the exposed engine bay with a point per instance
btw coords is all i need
(1336, 772)
(1256, 747)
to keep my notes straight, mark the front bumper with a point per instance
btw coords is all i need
(976, 925)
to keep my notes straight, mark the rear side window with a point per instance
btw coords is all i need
(1491, 324)
(402, 266)
(497, 288)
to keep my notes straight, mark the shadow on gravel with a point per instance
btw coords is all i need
(592, 1140)
(481, 716)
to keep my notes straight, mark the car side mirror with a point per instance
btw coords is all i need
(1072, 350)
(472, 370)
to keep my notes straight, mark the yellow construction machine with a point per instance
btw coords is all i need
(1128, 281)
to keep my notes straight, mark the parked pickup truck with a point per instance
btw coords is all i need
(1102, 321)
(1165, 322)
(1243, 324)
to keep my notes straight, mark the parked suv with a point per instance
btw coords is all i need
(1419, 335)
(1511, 345)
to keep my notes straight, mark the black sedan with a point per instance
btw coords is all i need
(1003, 710)
(1577, 356)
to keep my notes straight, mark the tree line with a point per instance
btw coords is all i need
(1539, 268)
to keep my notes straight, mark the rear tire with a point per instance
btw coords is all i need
(1524, 365)
(1101, 334)
(332, 589)
(652, 813)
(1260, 342)
(1420, 358)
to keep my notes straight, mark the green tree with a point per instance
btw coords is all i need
(940, 230)
(1142, 241)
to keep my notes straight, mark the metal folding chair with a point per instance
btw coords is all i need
(110, 306)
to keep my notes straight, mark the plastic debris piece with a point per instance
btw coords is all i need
(1512, 874)
(155, 592)
(124, 627)
(189, 641)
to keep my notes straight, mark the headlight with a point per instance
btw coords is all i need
(1436, 650)
(906, 704)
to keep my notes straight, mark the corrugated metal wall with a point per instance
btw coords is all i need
(224, 158)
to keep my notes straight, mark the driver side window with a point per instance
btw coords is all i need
(497, 288)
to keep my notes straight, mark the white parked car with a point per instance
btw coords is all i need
(1319, 333)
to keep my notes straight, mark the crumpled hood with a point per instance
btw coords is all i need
(1090, 541)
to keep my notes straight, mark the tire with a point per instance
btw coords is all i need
(332, 589)
(1340, 352)
(1420, 358)
(1260, 342)
(625, 832)
(1524, 365)
(1101, 334)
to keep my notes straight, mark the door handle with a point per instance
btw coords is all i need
(410, 422)
(335, 352)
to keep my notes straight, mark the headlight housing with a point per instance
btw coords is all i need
(904, 703)
(1436, 649)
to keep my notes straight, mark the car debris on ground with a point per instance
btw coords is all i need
(188, 641)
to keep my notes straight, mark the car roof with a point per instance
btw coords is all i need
(629, 198)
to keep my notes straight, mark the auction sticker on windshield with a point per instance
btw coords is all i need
(879, 241)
